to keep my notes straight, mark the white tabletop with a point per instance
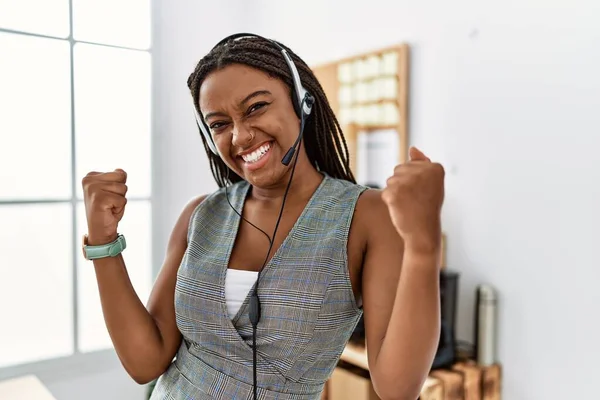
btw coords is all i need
(27, 387)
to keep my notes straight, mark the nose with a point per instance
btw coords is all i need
(241, 135)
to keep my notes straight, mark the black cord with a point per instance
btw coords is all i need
(240, 215)
(254, 300)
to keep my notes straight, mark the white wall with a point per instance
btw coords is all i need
(507, 96)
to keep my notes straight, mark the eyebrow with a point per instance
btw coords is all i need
(245, 100)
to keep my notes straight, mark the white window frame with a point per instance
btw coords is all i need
(78, 363)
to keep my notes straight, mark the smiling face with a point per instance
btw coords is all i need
(252, 122)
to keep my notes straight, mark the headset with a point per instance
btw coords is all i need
(302, 102)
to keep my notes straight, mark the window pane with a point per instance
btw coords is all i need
(136, 226)
(35, 283)
(44, 17)
(35, 127)
(112, 114)
(129, 22)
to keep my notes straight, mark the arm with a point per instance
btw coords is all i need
(403, 328)
(145, 339)
(401, 303)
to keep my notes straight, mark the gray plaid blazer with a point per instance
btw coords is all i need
(308, 308)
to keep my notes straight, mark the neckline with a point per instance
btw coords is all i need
(239, 204)
(241, 271)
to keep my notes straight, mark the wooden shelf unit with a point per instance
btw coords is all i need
(384, 71)
(465, 380)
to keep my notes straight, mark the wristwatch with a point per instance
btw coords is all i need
(111, 249)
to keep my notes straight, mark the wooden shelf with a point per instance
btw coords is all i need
(328, 76)
(465, 380)
(356, 355)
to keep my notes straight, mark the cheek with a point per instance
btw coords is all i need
(223, 144)
(283, 129)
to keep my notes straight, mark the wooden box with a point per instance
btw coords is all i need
(472, 375)
(348, 385)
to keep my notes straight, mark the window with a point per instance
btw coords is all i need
(76, 97)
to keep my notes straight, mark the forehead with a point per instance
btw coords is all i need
(234, 82)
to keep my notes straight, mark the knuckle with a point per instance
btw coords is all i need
(386, 196)
(440, 168)
(392, 181)
(86, 181)
(390, 194)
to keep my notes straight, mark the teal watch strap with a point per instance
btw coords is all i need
(111, 249)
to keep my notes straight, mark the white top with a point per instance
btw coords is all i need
(237, 286)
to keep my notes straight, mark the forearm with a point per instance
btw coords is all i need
(134, 333)
(413, 332)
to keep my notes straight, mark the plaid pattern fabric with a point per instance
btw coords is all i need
(308, 310)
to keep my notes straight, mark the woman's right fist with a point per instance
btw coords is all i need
(104, 199)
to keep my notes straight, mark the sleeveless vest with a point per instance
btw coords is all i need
(308, 309)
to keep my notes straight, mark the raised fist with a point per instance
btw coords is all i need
(414, 195)
(104, 198)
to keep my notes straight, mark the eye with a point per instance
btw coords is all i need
(257, 106)
(217, 125)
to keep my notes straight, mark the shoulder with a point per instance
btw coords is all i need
(371, 209)
(192, 205)
(343, 190)
(186, 216)
(371, 218)
(203, 206)
(373, 221)
(212, 199)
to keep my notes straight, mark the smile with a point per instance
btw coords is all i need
(257, 154)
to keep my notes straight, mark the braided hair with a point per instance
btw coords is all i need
(325, 144)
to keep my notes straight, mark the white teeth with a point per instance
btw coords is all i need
(256, 154)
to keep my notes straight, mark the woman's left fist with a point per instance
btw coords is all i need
(414, 196)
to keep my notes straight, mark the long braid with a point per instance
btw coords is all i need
(325, 143)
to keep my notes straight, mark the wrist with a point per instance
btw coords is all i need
(425, 245)
(99, 240)
(103, 246)
(422, 256)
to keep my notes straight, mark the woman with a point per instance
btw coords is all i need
(246, 316)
